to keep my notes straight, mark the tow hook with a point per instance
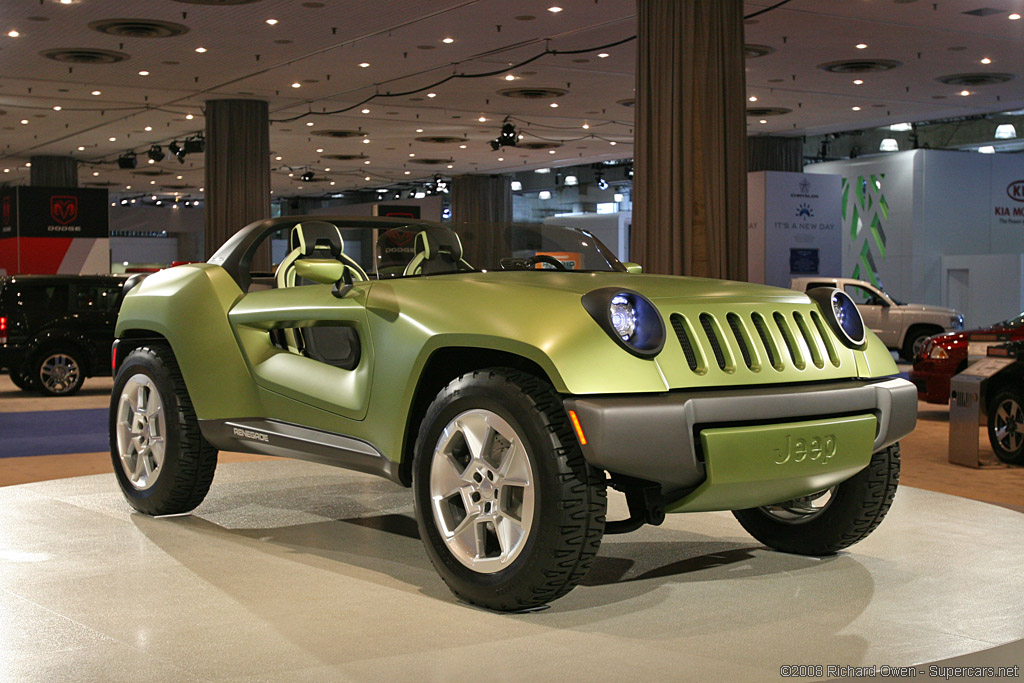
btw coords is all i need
(645, 501)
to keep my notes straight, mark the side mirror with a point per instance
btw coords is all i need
(634, 268)
(324, 271)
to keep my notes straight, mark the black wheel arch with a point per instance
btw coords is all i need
(444, 365)
(129, 340)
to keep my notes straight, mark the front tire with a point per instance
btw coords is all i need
(828, 521)
(1006, 427)
(914, 342)
(510, 513)
(58, 371)
(163, 464)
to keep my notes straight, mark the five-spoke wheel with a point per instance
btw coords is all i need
(140, 430)
(1006, 427)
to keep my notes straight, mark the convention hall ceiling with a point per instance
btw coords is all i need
(97, 78)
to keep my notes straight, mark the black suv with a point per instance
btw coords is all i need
(56, 330)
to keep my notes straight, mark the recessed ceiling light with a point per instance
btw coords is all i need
(143, 73)
(501, 158)
(431, 94)
(96, 92)
(366, 177)
(1013, 17)
(365, 111)
(367, 162)
(419, 130)
(319, 150)
(81, 148)
(56, 107)
(13, 34)
(189, 117)
(412, 154)
(858, 81)
(482, 119)
(327, 170)
(855, 108)
(603, 55)
(860, 46)
(148, 128)
(66, 2)
(277, 158)
(752, 98)
(112, 139)
(450, 166)
(95, 173)
(366, 141)
(610, 142)
(965, 93)
(555, 9)
(448, 41)
(408, 172)
(150, 161)
(272, 22)
(986, 60)
(509, 77)
(551, 151)
(364, 64)
(764, 121)
(462, 147)
(296, 84)
(200, 50)
(309, 123)
(586, 126)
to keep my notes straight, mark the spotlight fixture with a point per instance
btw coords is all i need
(195, 144)
(307, 176)
(177, 150)
(127, 160)
(507, 137)
(155, 153)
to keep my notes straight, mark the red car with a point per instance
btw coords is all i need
(948, 354)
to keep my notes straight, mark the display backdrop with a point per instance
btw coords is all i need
(49, 230)
(793, 226)
(904, 212)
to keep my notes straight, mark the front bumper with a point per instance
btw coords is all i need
(659, 438)
(933, 386)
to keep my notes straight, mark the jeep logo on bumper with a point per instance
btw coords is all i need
(816, 449)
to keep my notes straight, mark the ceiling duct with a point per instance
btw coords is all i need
(860, 66)
(533, 93)
(139, 28)
(344, 157)
(84, 55)
(336, 133)
(975, 79)
(441, 139)
(538, 144)
(767, 111)
(753, 51)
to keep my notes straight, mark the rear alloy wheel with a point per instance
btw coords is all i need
(59, 372)
(510, 513)
(825, 522)
(163, 464)
(1006, 427)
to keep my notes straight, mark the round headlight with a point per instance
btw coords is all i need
(841, 313)
(629, 318)
(623, 316)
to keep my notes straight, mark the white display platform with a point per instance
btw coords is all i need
(292, 571)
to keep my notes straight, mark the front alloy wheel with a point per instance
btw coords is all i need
(509, 511)
(481, 489)
(1006, 427)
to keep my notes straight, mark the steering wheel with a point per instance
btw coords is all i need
(546, 258)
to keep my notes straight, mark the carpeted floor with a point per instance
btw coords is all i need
(53, 432)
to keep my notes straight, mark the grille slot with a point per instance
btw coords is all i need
(707, 322)
(830, 348)
(812, 342)
(679, 325)
(741, 339)
(774, 357)
(787, 336)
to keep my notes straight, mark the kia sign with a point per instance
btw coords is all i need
(1015, 190)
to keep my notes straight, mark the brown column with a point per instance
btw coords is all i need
(237, 168)
(690, 166)
(486, 203)
(51, 171)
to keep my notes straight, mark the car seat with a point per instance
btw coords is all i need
(438, 250)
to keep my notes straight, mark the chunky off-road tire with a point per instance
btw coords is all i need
(510, 513)
(1006, 427)
(22, 380)
(163, 464)
(850, 511)
(58, 371)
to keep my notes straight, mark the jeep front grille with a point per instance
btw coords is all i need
(776, 341)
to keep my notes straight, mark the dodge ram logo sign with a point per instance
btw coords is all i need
(64, 208)
(1015, 190)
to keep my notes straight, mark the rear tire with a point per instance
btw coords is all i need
(853, 509)
(914, 341)
(1006, 427)
(510, 513)
(163, 464)
(22, 380)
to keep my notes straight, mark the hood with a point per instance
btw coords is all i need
(927, 308)
(652, 286)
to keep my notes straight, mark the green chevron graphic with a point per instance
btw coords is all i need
(866, 206)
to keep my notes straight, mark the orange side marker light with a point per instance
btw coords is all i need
(576, 425)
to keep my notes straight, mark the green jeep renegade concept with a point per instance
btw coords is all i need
(509, 376)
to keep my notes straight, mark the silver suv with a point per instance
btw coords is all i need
(902, 327)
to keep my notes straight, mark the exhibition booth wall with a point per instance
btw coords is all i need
(918, 221)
